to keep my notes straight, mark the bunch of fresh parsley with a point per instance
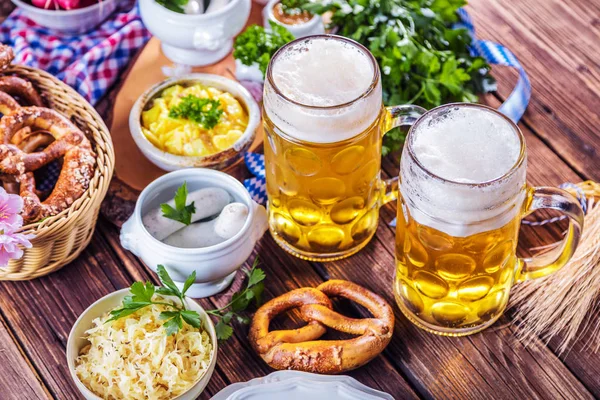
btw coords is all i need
(203, 111)
(423, 59)
(182, 212)
(142, 294)
(258, 45)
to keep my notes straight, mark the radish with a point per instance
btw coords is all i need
(68, 4)
(45, 4)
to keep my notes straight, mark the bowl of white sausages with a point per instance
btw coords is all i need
(225, 227)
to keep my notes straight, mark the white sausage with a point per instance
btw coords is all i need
(208, 201)
(204, 234)
(231, 220)
(200, 234)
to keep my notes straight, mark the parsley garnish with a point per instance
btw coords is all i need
(142, 294)
(239, 302)
(203, 111)
(173, 5)
(141, 297)
(258, 45)
(181, 212)
(293, 7)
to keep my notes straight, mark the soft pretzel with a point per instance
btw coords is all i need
(69, 142)
(299, 349)
(7, 104)
(6, 56)
(24, 90)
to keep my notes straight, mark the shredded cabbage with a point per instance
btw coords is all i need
(133, 358)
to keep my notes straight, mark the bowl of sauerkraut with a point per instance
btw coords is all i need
(133, 358)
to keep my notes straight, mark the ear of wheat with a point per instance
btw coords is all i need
(565, 304)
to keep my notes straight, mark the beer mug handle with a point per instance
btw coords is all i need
(395, 117)
(556, 199)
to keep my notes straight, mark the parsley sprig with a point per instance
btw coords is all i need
(142, 296)
(240, 302)
(258, 45)
(206, 112)
(182, 212)
(173, 5)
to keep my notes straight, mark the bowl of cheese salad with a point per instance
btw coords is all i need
(133, 357)
(196, 120)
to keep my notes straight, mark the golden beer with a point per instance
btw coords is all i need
(323, 198)
(463, 194)
(324, 121)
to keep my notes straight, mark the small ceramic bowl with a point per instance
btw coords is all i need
(215, 266)
(195, 39)
(69, 21)
(314, 26)
(220, 160)
(76, 341)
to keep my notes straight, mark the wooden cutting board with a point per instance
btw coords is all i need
(133, 171)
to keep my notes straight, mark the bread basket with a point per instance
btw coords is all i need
(61, 238)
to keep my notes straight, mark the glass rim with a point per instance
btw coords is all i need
(482, 107)
(367, 92)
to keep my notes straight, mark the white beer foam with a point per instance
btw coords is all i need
(322, 72)
(469, 145)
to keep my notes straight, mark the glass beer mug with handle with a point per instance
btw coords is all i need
(324, 120)
(462, 196)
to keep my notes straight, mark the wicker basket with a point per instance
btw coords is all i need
(61, 238)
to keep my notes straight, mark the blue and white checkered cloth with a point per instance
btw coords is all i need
(496, 54)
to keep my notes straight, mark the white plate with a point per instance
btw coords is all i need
(296, 385)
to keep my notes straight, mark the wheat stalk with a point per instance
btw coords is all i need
(566, 302)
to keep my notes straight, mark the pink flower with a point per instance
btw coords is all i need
(10, 246)
(11, 242)
(10, 209)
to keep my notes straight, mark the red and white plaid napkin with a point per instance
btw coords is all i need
(90, 62)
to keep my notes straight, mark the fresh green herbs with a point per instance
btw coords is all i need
(142, 296)
(173, 5)
(293, 7)
(182, 212)
(205, 112)
(257, 45)
(424, 60)
(239, 302)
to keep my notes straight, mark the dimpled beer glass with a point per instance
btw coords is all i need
(463, 194)
(324, 121)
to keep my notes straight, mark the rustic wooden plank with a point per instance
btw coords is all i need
(555, 41)
(19, 379)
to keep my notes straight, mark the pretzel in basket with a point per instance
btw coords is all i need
(67, 141)
(300, 349)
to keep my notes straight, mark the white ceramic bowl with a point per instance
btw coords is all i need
(69, 21)
(220, 160)
(195, 39)
(314, 26)
(76, 341)
(215, 266)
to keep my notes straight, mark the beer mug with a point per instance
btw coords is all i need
(324, 120)
(462, 196)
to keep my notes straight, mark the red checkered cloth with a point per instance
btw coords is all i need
(91, 62)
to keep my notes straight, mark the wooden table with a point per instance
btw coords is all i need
(557, 41)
